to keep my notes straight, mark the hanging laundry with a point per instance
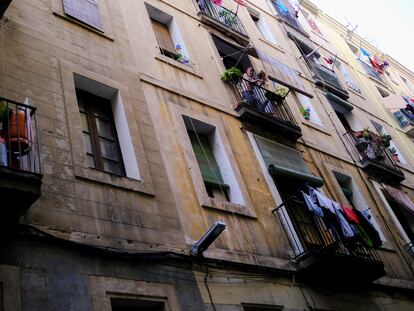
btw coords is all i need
(350, 214)
(321, 199)
(346, 228)
(217, 2)
(328, 60)
(312, 205)
(369, 229)
(240, 2)
(365, 52)
(364, 235)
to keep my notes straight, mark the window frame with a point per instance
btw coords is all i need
(246, 207)
(91, 117)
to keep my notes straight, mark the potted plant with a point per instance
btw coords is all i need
(229, 17)
(305, 112)
(366, 133)
(232, 74)
(385, 140)
(281, 91)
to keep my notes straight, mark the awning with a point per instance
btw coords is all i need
(338, 103)
(286, 162)
(282, 74)
(401, 198)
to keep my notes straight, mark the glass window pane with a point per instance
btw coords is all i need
(104, 128)
(112, 167)
(109, 149)
(87, 141)
(91, 161)
(84, 122)
(81, 106)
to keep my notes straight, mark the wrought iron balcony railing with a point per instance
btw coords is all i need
(371, 71)
(327, 76)
(222, 15)
(370, 151)
(18, 137)
(263, 100)
(308, 232)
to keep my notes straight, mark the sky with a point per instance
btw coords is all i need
(387, 24)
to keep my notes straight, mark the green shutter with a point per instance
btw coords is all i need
(205, 158)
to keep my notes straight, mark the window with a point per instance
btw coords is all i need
(168, 35)
(262, 26)
(355, 199)
(409, 85)
(218, 176)
(99, 133)
(86, 11)
(383, 93)
(307, 110)
(287, 12)
(394, 149)
(120, 304)
(213, 180)
(232, 55)
(347, 77)
(312, 22)
(261, 308)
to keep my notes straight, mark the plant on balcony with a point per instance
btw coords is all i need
(229, 17)
(305, 112)
(366, 133)
(281, 91)
(385, 140)
(231, 74)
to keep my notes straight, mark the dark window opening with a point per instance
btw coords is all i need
(382, 92)
(232, 56)
(344, 121)
(261, 308)
(121, 304)
(99, 133)
(405, 218)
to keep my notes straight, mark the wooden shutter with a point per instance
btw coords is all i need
(163, 36)
(205, 158)
(87, 11)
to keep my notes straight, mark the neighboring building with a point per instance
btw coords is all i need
(121, 146)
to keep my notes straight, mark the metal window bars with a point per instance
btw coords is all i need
(370, 149)
(19, 148)
(262, 100)
(222, 15)
(308, 232)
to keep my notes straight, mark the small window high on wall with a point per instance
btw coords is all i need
(262, 26)
(168, 35)
(86, 11)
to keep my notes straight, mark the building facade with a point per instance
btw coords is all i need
(129, 128)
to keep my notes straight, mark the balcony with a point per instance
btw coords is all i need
(223, 20)
(375, 159)
(326, 77)
(320, 255)
(264, 109)
(4, 4)
(405, 119)
(20, 178)
(371, 72)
